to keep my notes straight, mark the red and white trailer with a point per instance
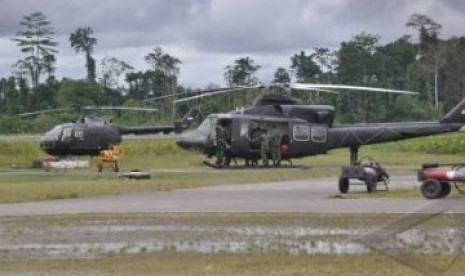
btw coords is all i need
(436, 179)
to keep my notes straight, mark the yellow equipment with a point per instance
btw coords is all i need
(111, 155)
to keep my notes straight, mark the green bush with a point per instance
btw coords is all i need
(444, 144)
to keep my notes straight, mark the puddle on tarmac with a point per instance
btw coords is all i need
(241, 230)
(204, 247)
(226, 239)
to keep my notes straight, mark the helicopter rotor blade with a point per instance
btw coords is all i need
(128, 108)
(313, 86)
(161, 97)
(325, 90)
(199, 92)
(43, 112)
(216, 92)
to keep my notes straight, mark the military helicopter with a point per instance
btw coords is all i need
(306, 130)
(90, 137)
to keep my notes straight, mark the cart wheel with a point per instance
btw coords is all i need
(343, 185)
(446, 188)
(431, 189)
(371, 185)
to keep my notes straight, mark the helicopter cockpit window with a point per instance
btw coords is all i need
(301, 133)
(67, 132)
(319, 134)
(79, 133)
(206, 126)
(55, 133)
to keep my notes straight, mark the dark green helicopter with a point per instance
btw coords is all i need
(305, 129)
(90, 137)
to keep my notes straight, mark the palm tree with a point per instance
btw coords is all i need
(81, 40)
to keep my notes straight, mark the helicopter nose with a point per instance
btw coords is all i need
(46, 144)
(191, 141)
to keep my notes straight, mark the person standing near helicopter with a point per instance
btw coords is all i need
(275, 146)
(220, 145)
(264, 146)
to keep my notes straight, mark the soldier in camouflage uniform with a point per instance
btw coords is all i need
(254, 137)
(275, 143)
(220, 145)
(264, 146)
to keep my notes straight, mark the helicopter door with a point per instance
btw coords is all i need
(309, 139)
(227, 125)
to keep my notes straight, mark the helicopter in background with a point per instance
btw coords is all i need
(306, 130)
(98, 137)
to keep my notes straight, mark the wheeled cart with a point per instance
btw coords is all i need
(366, 170)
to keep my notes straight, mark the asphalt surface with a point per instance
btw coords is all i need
(313, 195)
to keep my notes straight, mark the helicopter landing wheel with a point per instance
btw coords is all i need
(371, 185)
(343, 185)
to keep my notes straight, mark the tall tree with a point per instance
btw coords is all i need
(37, 44)
(427, 28)
(327, 60)
(281, 76)
(452, 74)
(82, 41)
(359, 65)
(167, 65)
(395, 59)
(431, 50)
(305, 68)
(165, 72)
(111, 70)
(242, 72)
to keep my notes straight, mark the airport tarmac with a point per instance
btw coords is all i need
(312, 195)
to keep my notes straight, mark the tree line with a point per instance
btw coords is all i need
(427, 63)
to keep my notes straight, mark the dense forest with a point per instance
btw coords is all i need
(429, 64)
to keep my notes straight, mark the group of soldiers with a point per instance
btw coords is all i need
(270, 146)
(268, 140)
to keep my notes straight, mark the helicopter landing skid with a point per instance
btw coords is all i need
(290, 166)
(212, 165)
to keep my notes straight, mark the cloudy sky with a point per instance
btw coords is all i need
(207, 35)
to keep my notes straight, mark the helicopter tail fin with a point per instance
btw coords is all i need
(456, 115)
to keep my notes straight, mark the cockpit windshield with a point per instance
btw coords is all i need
(67, 134)
(206, 126)
(54, 134)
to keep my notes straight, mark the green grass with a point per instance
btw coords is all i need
(226, 264)
(47, 186)
(316, 220)
(395, 194)
(35, 185)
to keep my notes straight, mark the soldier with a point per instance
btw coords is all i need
(254, 137)
(275, 146)
(220, 145)
(264, 146)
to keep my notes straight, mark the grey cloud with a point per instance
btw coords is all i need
(458, 5)
(103, 16)
(221, 26)
(227, 27)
